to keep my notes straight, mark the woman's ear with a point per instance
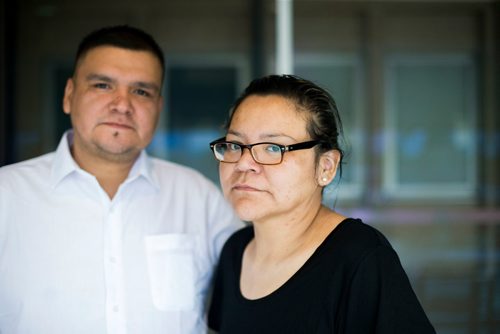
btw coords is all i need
(327, 167)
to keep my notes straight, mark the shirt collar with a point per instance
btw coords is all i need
(143, 168)
(64, 164)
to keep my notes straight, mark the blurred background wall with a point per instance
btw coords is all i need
(417, 84)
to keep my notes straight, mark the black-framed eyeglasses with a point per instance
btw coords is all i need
(265, 153)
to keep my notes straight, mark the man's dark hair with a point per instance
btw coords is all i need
(122, 36)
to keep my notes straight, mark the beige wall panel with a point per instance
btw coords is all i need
(327, 34)
(431, 33)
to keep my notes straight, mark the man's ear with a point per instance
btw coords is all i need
(161, 101)
(327, 167)
(68, 94)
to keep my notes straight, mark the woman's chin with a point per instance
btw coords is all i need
(246, 213)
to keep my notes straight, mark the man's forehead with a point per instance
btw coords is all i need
(104, 59)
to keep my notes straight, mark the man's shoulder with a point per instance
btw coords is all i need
(24, 176)
(38, 166)
(166, 165)
(168, 171)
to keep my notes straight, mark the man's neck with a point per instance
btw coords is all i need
(109, 174)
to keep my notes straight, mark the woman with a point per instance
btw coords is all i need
(299, 267)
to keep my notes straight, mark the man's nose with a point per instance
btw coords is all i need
(122, 102)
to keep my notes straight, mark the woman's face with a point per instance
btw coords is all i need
(265, 191)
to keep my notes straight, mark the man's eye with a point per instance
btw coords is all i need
(101, 85)
(142, 92)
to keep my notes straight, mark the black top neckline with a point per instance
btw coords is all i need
(290, 282)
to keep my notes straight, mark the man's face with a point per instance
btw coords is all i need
(114, 102)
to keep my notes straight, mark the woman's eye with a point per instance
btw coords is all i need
(233, 147)
(272, 148)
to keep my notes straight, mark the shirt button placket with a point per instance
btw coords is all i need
(114, 271)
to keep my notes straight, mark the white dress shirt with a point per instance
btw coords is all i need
(73, 261)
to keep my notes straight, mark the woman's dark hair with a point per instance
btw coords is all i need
(121, 36)
(324, 122)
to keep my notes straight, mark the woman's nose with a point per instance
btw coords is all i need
(247, 162)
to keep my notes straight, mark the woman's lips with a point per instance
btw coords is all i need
(244, 187)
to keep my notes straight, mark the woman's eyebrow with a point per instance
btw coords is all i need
(264, 136)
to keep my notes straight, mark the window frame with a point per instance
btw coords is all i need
(464, 191)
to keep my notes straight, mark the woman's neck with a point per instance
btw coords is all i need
(279, 250)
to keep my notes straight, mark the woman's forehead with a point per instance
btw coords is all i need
(268, 116)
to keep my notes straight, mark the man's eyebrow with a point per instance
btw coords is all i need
(138, 84)
(147, 85)
(98, 77)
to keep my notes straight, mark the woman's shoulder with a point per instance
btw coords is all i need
(359, 232)
(353, 239)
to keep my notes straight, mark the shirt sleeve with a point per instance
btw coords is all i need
(381, 299)
(3, 216)
(223, 220)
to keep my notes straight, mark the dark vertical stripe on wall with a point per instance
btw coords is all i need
(496, 103)
(257, 29)
(8, 24)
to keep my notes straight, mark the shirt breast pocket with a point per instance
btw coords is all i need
(172, 271)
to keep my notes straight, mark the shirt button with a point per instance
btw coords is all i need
(116, 308)
(112, 259)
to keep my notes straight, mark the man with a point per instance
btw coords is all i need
(97, 237)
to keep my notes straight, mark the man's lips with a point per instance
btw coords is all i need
(117, 125)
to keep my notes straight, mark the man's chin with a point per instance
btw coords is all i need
(119, 153)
